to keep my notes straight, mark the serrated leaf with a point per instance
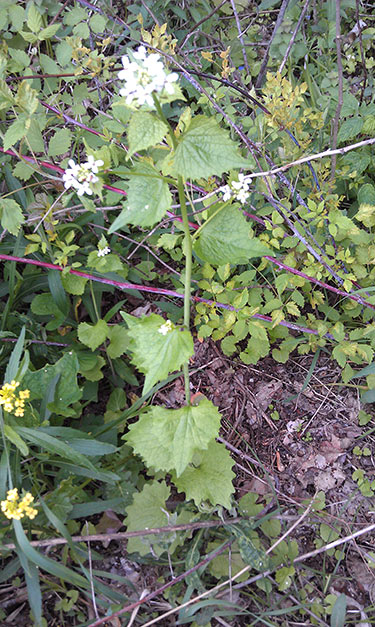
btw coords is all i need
(119, 341)
(6, 96)
(145, 130)
(204, 150)
(350, 129)
(11, 215)
(34, 19)
(148, 511)
(156, 354)
(16, 16)
(15, 132)
(48, 32)
(30, 37)
(149, 199)
(60, 142)
(168, 438)
(210, 479)
(23, 171)
(92, 335)
(227, 239)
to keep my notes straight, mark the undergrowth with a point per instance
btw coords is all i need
(172, 173)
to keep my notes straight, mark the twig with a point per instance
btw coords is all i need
(340, 89)
(123, 535)
(240, 37)
(155, 290)
(152, 595)
(363, 59)
(246, 583)
(196, 24)
(293, 37)
(279, 20)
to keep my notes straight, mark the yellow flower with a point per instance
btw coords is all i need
(12, 507)
(12, 403)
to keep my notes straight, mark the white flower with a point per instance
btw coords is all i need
(102, 252)
(144, 76)
(238, 189)
(166, 327)
(80, 176)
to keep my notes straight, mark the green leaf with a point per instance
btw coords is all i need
(57, 569)
(23, 170)
(16, 16)
(57, 291)
(48, 32)
(14, 133)
(92, 335)
(350, 129)
(248, 542)
(168, 438)
(227, 239)
(149, 511)
(67, 390)
(60, 142)
(210, 479)
(154, 353)
(204, 150)
(74, 284)
(43, 305)
(27, 99)
(338, 615)
(13, 437)
(54, 446)
(149, 199)
(34, 19)
(119, 341)
(145, 130)
(15, 358)
(6, 96)
(33, 588)
(11, 215)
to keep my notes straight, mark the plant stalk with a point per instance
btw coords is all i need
(188, 265)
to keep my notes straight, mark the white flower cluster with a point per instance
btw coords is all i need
(143, 76)
(102, 252)
(166, 327)
(239, 189)
(82, 175)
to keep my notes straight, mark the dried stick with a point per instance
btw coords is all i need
(246, 583)
(363, 59)
(263, 68)
(290, 44)
(240, 37)
(340, 93)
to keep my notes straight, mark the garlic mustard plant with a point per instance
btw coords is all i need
(144, 76)
(166, 327)
(15, 508)
(237, 189)
(82, 176)
(12, 403)
(102, 252)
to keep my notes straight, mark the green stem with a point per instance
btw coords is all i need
(188, 246)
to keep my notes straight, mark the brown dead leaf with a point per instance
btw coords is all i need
(265, 392)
